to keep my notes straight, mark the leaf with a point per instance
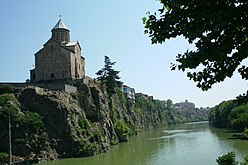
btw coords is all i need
(144, 20)
(167, 7)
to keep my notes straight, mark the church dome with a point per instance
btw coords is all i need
(60, 32)
(60, 25)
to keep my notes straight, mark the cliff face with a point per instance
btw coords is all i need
(60, 124)
(77, 124)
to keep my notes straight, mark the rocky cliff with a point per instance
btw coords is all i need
(50, 124)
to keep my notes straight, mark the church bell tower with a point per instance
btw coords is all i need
(60, 32)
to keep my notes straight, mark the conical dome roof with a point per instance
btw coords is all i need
(60, 25)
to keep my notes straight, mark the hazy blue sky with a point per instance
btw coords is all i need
(105, 27)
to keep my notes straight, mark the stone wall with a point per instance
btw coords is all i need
(69, 88)
(61, 34)
(60, 86)
(77, 63)
(57, 86)
(52, 62)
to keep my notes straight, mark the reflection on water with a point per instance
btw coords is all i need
(188, 144)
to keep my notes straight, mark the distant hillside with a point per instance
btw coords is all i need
(49, 124)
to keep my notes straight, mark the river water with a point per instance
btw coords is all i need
(187, 144)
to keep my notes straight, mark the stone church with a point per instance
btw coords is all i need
(59, 58)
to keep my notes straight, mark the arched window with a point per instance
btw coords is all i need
(52, 75)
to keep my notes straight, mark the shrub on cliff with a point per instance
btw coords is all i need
(27, 128)
(5, 110)
(32, 121)
(4, 88)
(121, 131)
(97, 136)
(86, 148)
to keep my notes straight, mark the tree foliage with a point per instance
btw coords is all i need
(108, 76)
(29, 122)
(32, 122)
(25, 125)
(219, 115)
(229, 114)
(230, 159)
(227, 159)
(238, 118)
(121, 130)
(217, 28)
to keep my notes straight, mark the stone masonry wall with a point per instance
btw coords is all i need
(77, 64)
(52, 62)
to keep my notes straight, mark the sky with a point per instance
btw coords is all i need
(104, 27)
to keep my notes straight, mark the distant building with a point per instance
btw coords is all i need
(145, 96)
(130, 92)
(59, 58)
(150, 97)
(185, 105)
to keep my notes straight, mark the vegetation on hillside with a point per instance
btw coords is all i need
(4, 88)
(167, 112)
(122, 131)
(27, 127)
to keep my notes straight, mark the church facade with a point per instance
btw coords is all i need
(59, 58)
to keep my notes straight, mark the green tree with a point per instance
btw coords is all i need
(108, 76)
(238, 118)
(227, 159)
(169, 103)
(217, 28)
(32, 122)
(219, 115)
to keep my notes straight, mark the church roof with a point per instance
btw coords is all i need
(71, 43)
(60, 25)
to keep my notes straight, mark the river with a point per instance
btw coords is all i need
(186, 144)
